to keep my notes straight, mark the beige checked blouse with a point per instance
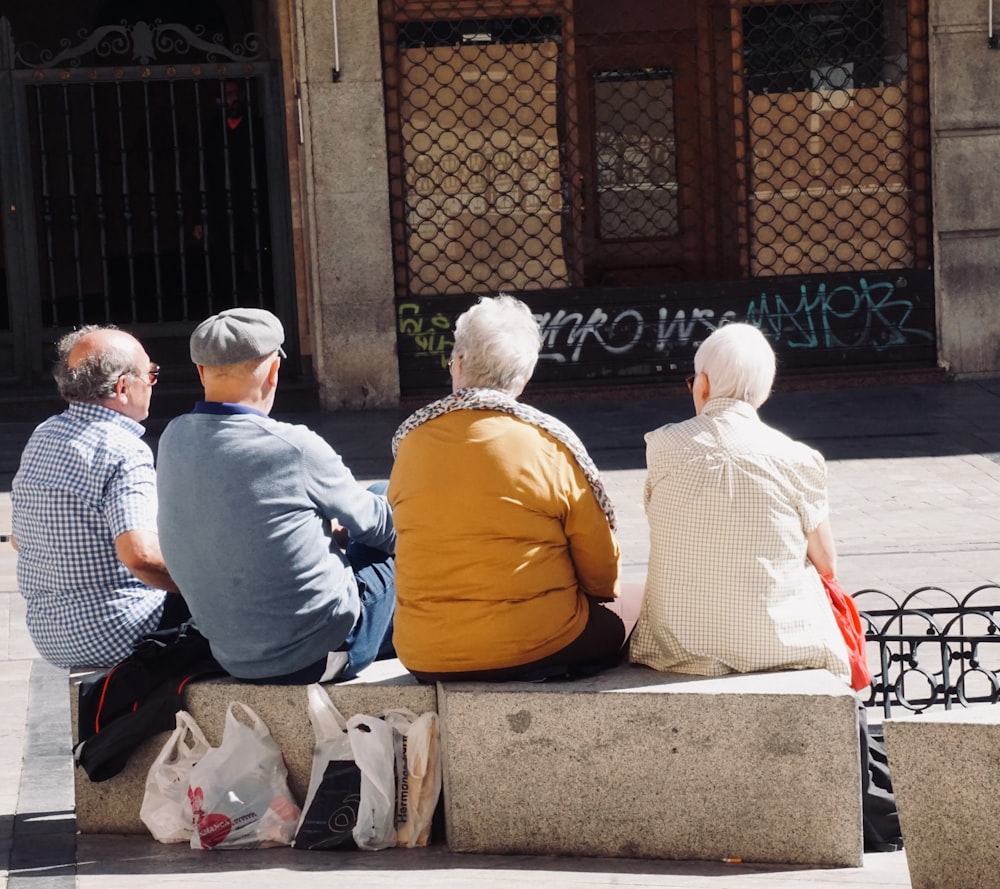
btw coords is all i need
(729, 589)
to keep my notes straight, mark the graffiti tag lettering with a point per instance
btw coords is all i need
(684, 331)
(432, 341)
(653, 331)
(564, 334)
(843, 317)
(621, 331)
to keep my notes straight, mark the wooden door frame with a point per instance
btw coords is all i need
(709, 212)
(624, 255)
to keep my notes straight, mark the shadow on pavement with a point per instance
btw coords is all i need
(933, 419)
(140, 855)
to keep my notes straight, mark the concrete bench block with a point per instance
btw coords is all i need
(946, 776)
(639, 764)
(112, 806)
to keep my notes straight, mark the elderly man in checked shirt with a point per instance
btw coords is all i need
(84, 509)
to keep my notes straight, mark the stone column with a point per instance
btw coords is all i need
(965, 120)
(345, 180)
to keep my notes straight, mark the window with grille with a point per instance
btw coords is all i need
(522, 145)
(480, 154)
(837, 144)
(636, 157)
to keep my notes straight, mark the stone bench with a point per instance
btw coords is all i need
(945, 777)
(639, 764)
(631, 763)
(112, 806)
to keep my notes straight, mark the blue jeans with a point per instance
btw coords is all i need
(371, 638)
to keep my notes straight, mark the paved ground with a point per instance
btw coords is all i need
(915, 487)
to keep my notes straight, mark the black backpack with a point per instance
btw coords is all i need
(138, 697)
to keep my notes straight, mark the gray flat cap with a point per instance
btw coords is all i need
(236, 335)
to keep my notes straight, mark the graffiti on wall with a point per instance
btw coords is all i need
(846, 316)
(834, 320)
(429, 334)
(565, 334)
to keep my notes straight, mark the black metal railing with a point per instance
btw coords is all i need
(931, 649)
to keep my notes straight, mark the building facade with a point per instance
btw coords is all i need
(638, 173)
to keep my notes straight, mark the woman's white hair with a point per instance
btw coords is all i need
(739, 363)
(498, 340)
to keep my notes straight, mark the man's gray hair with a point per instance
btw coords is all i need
(498, 340)
(93, 379)
(739, 363)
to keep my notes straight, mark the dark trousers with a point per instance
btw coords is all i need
(600, 646)
(175, 612)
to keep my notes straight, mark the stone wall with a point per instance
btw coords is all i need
(346, 204)
(965, 118)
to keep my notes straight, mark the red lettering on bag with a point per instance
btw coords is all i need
(213, 829)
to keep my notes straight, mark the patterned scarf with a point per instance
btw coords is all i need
(474, 399)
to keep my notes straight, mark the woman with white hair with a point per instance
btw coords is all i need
(739, 530)
(740, 534)
(505, 543)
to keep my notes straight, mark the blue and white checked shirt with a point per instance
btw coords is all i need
(85, 477)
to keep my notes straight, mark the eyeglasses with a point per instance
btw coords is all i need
(150, 376)
(690, 381)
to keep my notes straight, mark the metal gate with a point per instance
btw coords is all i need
(144, 184)
(642, 172)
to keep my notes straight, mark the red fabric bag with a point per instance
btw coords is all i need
(849, 621)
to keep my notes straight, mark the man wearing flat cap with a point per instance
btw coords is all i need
(248, 508)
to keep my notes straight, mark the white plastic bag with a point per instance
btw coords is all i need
(371, 743)
(165, 809)
(351, 798)
(239, 790)
(416, 740)
(330, 812)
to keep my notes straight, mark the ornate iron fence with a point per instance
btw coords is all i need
(148, 167)
(931, 649)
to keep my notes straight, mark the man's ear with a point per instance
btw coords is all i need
(201, 373)
(272, 372)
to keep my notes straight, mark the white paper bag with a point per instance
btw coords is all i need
(417, 746)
